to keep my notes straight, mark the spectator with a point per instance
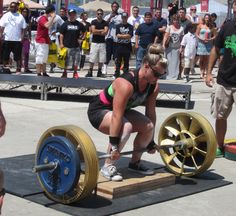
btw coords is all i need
(42, 39)
(135, 20)
(71, 36)
(192, 16)
(124, 33)
(173, 9)
(224, 94)
(174, 34)
(99, 29)
(85, 49)
(183, 22)
(2, 131)
(113, 19)
(161, 23)
(63, 14)
(206, 34)
(189, 50)
(146, 34)
(26, 40)
(53, 35)
(12, 25)
(213, 19)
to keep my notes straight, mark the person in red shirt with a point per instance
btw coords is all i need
(42, 39)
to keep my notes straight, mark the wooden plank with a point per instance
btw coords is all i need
(133, 183)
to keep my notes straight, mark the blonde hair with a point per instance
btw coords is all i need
(155, 54)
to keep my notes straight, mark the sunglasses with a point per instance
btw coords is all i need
(156, 73)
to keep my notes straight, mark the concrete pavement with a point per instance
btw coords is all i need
(27, 119)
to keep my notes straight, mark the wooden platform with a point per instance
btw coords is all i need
(133, 183)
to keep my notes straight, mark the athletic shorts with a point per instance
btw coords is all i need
(11, 46)
(189, 63)
(96, 111)
(72, 57)
(97, 53)
(42, 50)
(222, 100)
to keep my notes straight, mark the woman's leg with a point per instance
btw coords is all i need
(133, 121)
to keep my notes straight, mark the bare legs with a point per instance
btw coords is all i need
(203, 64)
(132, 122)
(221, 127)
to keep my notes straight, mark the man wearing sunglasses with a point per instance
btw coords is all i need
(12, 25)
(99, 29)
(192, 16)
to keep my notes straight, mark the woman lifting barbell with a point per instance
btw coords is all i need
(111, 111)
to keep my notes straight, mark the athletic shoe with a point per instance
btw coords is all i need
(220, 152)
(75, 75)
(140, 168)
(186, 79)
(104, 69)
(110, 173)
(64, 75)
(46, 75)
(28, 71)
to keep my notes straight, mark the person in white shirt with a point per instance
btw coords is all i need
(188, 50)
(135, 20)
(12, 25)
(113, 19)
(192, 16)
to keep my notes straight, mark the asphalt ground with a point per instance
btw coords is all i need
(27, 119)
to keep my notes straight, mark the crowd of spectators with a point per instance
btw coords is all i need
(115, 36)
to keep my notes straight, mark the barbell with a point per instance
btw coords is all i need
(67, 164)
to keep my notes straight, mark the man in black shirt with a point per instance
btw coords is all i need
(224, 95)
(99, 29)
(145, 34)
(124, 33)
(71, 36)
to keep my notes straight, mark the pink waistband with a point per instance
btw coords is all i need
(103, 98)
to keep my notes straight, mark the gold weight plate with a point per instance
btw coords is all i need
(197, 133)
(88, 160)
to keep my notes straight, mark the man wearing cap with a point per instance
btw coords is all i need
(12, 26)
(124, 33)
(71, 35)
(42, 39)
(224, 95)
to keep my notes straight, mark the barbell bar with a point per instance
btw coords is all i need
(53, 165)
(186, 143)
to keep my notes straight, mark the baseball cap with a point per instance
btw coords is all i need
(124, 14)
(72, 11)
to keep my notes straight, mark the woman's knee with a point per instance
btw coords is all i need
(148, 127)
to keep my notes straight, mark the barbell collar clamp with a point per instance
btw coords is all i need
(45, 167)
